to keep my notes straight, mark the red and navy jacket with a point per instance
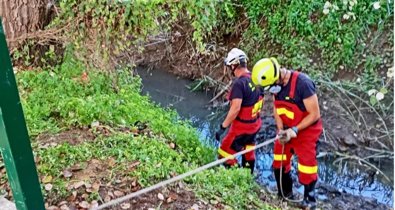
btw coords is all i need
(252, 97)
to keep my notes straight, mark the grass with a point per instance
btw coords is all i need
(67, 96)
(61, 98)
(157, 162)
(58, 99)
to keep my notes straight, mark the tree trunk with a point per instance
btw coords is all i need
(21, 17)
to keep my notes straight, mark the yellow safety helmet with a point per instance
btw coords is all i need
(265, 72)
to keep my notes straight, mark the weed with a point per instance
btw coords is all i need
(83, 102)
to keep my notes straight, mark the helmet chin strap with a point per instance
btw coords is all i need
(233, 69)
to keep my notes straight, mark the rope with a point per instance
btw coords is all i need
(179, 177)
(281, 180)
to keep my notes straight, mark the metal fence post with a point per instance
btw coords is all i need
(14, 139)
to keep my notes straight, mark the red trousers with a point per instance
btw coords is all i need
(304, 146)
(240, 136)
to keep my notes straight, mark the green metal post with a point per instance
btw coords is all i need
(14, 139)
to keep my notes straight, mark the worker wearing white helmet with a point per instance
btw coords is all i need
(297, 115)
(243, 117)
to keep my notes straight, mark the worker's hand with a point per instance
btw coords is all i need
(286, 135)
(219, 132)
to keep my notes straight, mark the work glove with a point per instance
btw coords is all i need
(286, 135)
(219, 132)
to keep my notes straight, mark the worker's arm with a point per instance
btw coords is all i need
(279, 122)
(313, 110)
(234, 110)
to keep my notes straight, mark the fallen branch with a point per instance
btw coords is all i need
(330, 84)
(375, 139)
(324, 133)
(46, 36)
(348, 109)
(380, 151)
(360, 161)
(221, 92)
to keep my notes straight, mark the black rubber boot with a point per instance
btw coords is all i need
(251, 165)
(243, 161)
(309, 201)
(286, 183)
(248, 164)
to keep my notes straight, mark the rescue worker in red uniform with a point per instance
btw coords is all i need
(243, 117)
(297, 115)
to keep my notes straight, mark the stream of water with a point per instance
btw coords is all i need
(170, 91)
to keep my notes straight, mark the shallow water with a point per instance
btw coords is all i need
(170, 91)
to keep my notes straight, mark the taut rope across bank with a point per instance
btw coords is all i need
(179, 177)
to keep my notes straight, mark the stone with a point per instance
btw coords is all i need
(350, 140)
(125, 205)
(161, 197)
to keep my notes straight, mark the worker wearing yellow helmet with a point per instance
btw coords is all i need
(297, 115)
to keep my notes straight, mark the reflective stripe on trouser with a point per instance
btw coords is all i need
(249, 155)
(225, 151)
(238, 138)
(304, 146)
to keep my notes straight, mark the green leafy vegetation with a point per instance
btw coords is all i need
(62, 99)
(219, 185)
(66, 98)
(157, 162)
(105, 30)
(333, 31)
(322, 38)
(326, 39)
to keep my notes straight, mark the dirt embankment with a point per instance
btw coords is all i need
(351, 125)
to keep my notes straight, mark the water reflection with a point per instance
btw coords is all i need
(360, 184)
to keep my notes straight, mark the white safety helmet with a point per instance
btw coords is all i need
(235, 57)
